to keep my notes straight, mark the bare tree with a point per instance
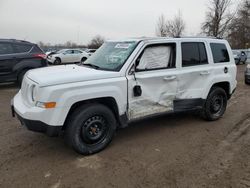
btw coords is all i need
(161, 27)
(218, 18)
(239, 29)
(170, 28)
(175, 27)
(96, 42)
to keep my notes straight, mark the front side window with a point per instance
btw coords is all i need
(193, 53)
(6, 48)
(160, 56)
(111, 55)
(220, 53)
(69, 52)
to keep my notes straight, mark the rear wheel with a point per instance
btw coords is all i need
(20, 76)
(90, 128)
(215, 105)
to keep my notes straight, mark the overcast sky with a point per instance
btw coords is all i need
(58, 21)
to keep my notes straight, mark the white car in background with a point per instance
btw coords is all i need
(68, 56)
(91, 51)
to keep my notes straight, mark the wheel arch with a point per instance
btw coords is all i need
(109, 102)
(224, 85)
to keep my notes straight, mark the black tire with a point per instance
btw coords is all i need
(20, 77)
(90, 128)
(215, 105)
(57, 61)
(237, 62)
(83, 60)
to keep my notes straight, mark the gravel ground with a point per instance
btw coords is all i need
(171, 151)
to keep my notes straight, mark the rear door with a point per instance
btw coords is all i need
(7, 60)
(195, 73)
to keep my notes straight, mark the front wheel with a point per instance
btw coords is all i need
(57, 61)
(90, 128)
(215, 105)
(83, 60)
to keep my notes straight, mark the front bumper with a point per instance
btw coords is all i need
(36, 125)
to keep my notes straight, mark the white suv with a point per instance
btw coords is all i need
(125, 81)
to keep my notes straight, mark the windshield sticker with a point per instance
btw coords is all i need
(123, 45)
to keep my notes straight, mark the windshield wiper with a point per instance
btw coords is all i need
(91, 65)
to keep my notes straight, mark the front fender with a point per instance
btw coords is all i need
(68, 94)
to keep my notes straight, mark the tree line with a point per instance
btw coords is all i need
(95, 43)
(221, 20)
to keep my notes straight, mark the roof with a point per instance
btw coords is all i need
(13, 40)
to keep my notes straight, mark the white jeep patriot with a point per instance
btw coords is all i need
(125, 81)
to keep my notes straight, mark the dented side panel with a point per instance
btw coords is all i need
(157, 96)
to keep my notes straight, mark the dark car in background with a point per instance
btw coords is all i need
(247, 75)
(17, 57)
(239, 56)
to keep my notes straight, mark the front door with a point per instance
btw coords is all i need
(152, 87)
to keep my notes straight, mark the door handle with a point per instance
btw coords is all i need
(169, 78)
(203, 73)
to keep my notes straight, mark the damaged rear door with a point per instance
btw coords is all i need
(152, 86)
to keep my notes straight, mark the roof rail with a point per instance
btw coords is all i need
(210, 37)
(14, 40)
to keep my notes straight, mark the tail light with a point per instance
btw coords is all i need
(43, 56)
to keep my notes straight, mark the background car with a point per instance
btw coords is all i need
(91, 51)
(68, 56)
(17, 57)
(247, 74)
(239, 56)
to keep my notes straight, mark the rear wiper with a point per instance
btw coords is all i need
(91, 65)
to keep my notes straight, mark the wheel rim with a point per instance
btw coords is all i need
(217, 104)
(94, 130)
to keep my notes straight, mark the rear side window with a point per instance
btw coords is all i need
(21, 48)
(5, 48)
(193, 53)
(220, 53)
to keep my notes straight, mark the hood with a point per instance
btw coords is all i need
(67, 74)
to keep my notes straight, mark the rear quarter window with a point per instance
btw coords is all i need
(220, 53)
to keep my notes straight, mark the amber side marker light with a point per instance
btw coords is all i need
(49, 104)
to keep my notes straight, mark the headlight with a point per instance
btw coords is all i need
(33, 93)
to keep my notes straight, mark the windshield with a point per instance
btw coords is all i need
(112, 55)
